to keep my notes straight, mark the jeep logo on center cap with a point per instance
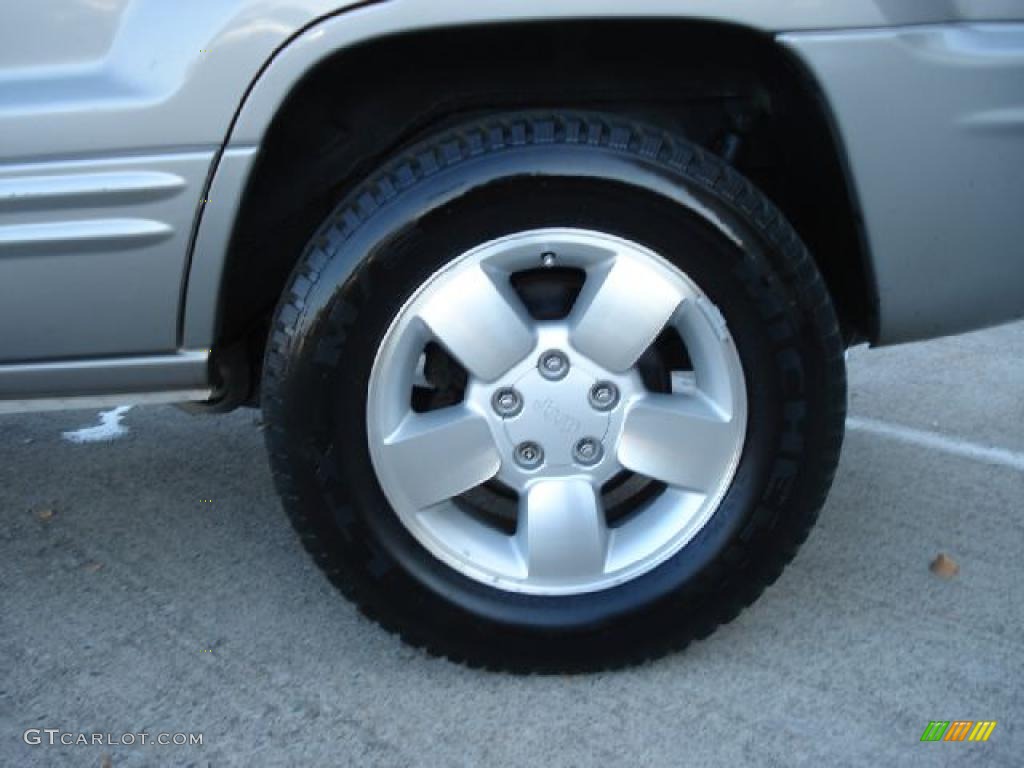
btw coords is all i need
(564, 422)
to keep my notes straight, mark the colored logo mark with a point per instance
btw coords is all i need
(958, 730)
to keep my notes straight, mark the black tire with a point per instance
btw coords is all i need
(502, 174)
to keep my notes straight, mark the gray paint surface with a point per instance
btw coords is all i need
(932, 119)
(88, 88)
(147, 73)
(92, 254)
(842, 663)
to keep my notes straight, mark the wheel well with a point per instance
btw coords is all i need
(729, 89)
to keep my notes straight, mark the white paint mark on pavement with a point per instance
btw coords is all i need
(939, 442)
(109, 428)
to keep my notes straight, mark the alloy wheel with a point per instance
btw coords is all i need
(553, 415)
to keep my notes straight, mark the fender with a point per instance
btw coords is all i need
(791, 22)
(351, 26)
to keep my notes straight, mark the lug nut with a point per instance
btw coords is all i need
(604, 396)
(588, 451)
(507, 402)
(547, 259)
(553, 365)
(529, 455)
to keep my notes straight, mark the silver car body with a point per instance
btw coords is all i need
(128, 129)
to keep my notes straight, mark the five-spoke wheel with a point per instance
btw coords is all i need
(556, 411)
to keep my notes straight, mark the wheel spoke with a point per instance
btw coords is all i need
(562, 530)
(622, 308)
(483, 325)
(435, 456)
(684, 442)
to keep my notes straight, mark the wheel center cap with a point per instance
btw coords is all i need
(556, 415)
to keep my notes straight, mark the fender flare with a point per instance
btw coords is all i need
(378, 19)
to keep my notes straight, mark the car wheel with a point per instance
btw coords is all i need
(554, 392)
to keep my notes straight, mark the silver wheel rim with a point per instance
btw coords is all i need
(573, 431)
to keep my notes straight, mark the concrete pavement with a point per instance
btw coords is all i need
(167, 593)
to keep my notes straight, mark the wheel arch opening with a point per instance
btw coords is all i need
(730, 89)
